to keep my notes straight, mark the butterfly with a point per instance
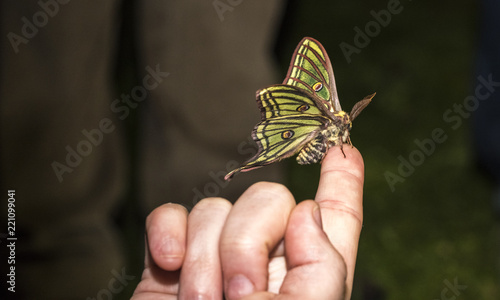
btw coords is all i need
(302, 115)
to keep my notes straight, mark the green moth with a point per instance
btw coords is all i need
(302, 115)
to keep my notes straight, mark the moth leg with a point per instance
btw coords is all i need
(342, 147)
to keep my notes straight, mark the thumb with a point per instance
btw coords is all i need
(316, 269)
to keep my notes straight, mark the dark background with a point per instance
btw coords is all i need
(438, 226)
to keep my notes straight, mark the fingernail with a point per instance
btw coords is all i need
(239, 286)
(316, 212)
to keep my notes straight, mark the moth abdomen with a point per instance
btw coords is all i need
(313, 152)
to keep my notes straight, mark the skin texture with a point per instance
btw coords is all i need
(265, 246)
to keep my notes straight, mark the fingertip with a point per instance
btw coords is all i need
(166, 235)
(342, 179)
(352, 162)
(211, 204)
(269, 188)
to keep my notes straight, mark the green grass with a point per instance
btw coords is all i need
(438, 224)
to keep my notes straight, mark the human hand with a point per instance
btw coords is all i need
(262, 246)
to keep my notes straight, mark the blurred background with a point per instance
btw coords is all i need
(432, 187)
(438, 223)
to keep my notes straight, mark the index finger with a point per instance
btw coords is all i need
(340, 198)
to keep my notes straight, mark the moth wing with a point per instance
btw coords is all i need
(284, 100)
(281, 137)
(310, 69)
